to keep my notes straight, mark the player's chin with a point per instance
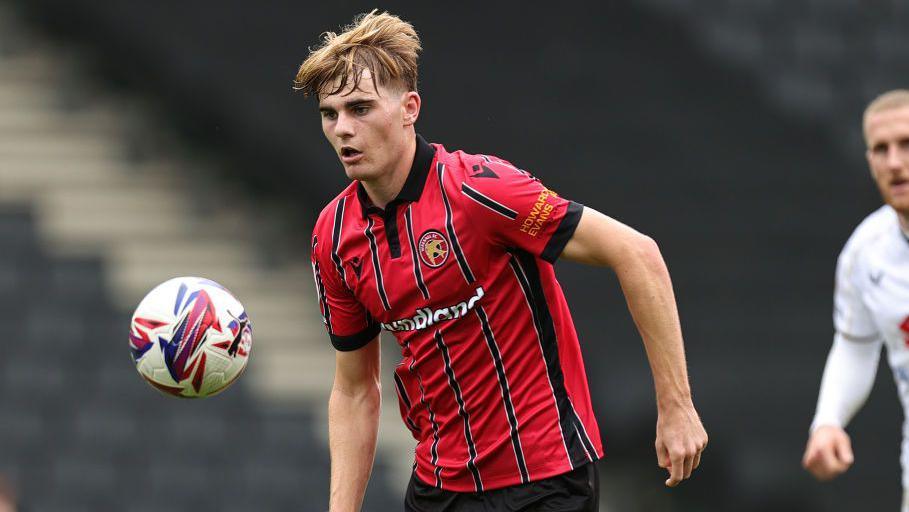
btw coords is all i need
(899, 202)
(356, 171)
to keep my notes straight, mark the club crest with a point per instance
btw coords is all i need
(433, 249)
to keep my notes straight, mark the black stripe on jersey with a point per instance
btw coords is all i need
(434, 449)
(401, 391)
(565, 423)
(380, 284)
(488, 202)
(578, 445)
(417, 273)
(449, 226)
(402, 394)
(462, 411)
(336, 239)
(506, 393)
(563, 232)
(582, 433)
(320, 290)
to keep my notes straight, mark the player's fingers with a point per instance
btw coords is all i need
(697, 460)
(689, 466)
(662, 454)
(844, 452)
(810, 456)
(829, 465)
(813, 458)
(676, 469)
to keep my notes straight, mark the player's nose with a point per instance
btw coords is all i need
(344, 126)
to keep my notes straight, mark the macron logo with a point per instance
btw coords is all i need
(427, 317)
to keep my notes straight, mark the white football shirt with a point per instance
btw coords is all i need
(871, 301)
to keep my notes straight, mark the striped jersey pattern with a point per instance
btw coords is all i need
(459, 268)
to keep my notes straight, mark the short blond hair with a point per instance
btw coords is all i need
(897, 98)
(381, 43)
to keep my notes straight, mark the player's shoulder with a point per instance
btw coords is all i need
(325, 220)
(868, 235)
(481, 169)
(870, 231)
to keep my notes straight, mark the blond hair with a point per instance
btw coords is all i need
(381, 43)
(897, 98)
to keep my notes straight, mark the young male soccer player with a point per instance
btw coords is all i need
(453, 254)
(871, 303)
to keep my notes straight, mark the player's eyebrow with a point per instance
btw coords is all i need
(358, 101)
(349, 104)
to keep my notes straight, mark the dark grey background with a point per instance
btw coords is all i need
(621, 106)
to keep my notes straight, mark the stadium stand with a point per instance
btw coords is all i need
(90, 219)
(728, 130)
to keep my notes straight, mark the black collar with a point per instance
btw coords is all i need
(416, 179)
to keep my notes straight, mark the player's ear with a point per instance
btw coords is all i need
(410, 106)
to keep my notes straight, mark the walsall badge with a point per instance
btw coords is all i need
(433, 248)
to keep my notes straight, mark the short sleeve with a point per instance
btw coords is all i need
(851, 316)
(516, 210)
(348, 323)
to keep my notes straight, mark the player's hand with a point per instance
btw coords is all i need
(829, 452)
(680, 440)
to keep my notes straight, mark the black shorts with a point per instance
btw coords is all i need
(575, 491)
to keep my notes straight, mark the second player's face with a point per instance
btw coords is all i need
(366, 128)
(887, 134)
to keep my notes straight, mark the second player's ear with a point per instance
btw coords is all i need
(410, 104)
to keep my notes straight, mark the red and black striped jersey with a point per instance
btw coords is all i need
(459, 268)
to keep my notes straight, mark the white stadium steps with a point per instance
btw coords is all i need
(141, 217)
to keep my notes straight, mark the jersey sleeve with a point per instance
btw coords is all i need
(348, 323)
(516, 210)
(851, 316)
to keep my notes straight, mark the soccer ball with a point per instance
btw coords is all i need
(190, 337)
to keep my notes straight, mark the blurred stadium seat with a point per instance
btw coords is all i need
(727, 129)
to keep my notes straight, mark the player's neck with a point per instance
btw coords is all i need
(386, 187)
(904, 222)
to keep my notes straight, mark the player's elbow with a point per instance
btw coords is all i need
(365, 388)
(643, 251)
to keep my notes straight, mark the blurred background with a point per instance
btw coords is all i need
(145, 140)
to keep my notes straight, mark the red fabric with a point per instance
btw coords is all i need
(491, 381)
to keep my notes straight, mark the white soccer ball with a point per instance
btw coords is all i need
(190, 337)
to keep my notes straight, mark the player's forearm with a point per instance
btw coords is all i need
(648, 290)
(353, 421)
(847, 381)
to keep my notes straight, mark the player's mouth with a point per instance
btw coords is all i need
(350, 155)
(899, 185)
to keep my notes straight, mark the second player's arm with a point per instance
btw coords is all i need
(847, 382)
(642, 273)
(353, 422)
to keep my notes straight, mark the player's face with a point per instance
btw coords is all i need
(887, 134)
(367, 127)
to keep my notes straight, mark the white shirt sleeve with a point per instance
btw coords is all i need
(851, 316)
(847, 381)
(853, 359)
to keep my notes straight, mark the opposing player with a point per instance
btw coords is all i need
(453, 254)
(871, 303)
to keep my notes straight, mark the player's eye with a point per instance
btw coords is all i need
(904, 144)
(329, 115)
(879, 150)
(360, 110)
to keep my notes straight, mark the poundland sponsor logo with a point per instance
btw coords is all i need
(427, 317)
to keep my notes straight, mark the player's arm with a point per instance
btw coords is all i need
(636, 260)
(353, 422)
(847, 382)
